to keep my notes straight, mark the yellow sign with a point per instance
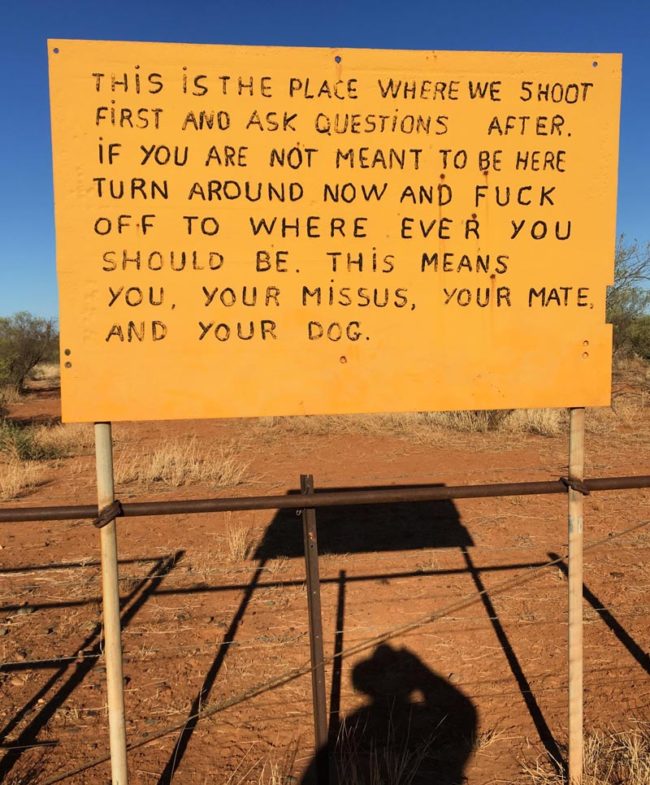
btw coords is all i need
(264, 231)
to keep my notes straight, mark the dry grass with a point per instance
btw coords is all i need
(238, 542)
(631, 367)
(422, 426)
(183, 463)
(43, 442)
(9, 395)
(544, 422)
(17, 477)
(610, 758)
(50, 372)
(60, 440)
(401, 424)
(487, 738)
(385, 764)
(276, 770)
(474, 421)
(279, 565)
(273, 773)
(626, 411)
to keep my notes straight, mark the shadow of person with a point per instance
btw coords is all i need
(417, 727)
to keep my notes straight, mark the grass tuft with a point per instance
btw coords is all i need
(424, 425)
(276, 770)
(238, 542)
(19, 443)
(43, 442)
(390, 763)
(543, 422)
(487, 738)
(610, 758)
(17, 477)
(64, 440)
(182, 463)
(8, 395)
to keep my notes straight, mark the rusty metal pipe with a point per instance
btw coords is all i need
(317, 657)
(323, 498)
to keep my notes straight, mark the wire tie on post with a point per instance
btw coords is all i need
(108, 514)
(576, 485)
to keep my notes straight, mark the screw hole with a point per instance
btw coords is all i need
(338, 59)
(68, 364)
(67, 352)
(595, 64)
(343, 360)
(56, 50)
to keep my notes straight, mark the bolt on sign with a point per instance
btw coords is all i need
(266, 231)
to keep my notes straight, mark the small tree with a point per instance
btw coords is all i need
(25, 341)
(639, 335)
(628, 299)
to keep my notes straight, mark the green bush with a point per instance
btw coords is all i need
(638, 336)
(628, 299)
(21, 443)
(25, 341)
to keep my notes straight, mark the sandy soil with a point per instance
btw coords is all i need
(216, 604)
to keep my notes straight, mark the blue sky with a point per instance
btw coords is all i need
(27, 259)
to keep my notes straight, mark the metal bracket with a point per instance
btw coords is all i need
(576, 485)
(108, 514)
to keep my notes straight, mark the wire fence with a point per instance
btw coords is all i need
(361, 647)
(367, 636)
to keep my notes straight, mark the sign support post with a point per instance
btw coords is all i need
(576, 473)
(111, 606)
(315, 630)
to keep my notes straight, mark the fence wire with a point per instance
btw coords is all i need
(394, 632)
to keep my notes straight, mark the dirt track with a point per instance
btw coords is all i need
(202, 624)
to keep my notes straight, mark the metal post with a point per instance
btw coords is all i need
(576, 472)
(315, 628)
(111, 607)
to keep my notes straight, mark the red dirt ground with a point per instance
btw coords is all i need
(198, 620)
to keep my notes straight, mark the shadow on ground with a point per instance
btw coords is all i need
(368, 528)
(416, 727)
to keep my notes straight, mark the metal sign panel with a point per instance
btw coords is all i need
(255, 231)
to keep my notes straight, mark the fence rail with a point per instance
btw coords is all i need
(325, 498)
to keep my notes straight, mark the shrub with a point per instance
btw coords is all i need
(24, 443)
(638, 336)
(628, 299)
(25, 341)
